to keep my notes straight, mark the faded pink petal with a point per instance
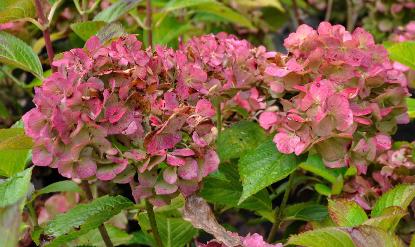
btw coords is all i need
(267, 119)
(205, 108)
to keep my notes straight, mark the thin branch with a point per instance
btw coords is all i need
(328, 10)
(278, 217)
(149, 23)
(84, 8)
(153, 223)
(55, 6)
(101, 228)
(352, 14)
(46, 33)
(296, 12)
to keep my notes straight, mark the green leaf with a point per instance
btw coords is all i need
(14, 139)
(368, 236)
(14, 151)
(174, 232)
(83, 218)
(11, 10)
(389, 220)
(116, 10)
(15, 52)
(412, 244)
(404, 53)
(4, 113)
(110, 32)
(87, 29)
(10, 221)
(224, 187)
(264, 166)
(211, 7)
(410, 102)
(219, 9)
(324, 237)
(94, 238)
(61, 186)
(362, 236)
(322, 189)
(141, 238)
(314, 164)
(13, 192)
(261, 3)
(168, 31)
(305, 212)
(400, 196)
(346, 213)
(239, 139)
(15, 188)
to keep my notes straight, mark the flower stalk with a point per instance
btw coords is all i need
(149, 24)
(46, 32)
(280, 210)
(101, 228)
(153, 223)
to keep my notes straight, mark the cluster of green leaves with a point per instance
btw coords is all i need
(351, 226)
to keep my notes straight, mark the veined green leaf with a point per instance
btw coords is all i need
(410, 102)
(87, 29)
(15, 52)
(404, 53)
(174, 232)
(346, 213)
(14, 139)
(15, 188)
(116, 10)
(14, 151)
(388, 220)
(400, 196)
(212, 7)
(224, 187)
(94, 238)
(61, 186)
(239, 139)
(264, 166)
(261, 3)
(13, 192)
(305, 212)
(324, 237)
(83, 218)
(12, 10)
(314, 164)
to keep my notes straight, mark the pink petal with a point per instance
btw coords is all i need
(205, 108)
(267, 119)
(175, 161)
(189, 170)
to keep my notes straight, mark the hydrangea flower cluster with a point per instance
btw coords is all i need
(112, 111)
(339, 94)
(393, 167)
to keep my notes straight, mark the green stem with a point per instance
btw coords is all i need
(218, 118)
(153, 223)
(149, 24)
(32, 213)
(101, 228)
(278, 217)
